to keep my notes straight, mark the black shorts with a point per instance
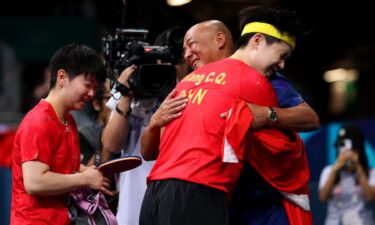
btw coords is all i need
(177, 202)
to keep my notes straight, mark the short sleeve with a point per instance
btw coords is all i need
(36, 142)
(287, 96)
(113, 101)
(324, 176)
(371, 179)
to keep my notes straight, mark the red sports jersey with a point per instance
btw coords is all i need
(191, 146)
(42, 137)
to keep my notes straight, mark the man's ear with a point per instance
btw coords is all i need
(256, 40)
(61, 77)
(221, 39)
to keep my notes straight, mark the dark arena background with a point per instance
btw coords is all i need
(333, 67)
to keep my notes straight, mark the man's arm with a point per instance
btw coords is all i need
(39, 180)
(116, 130)
(297, 118)
(169, 110)
(293, 112)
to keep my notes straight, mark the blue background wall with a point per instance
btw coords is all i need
(321, 151)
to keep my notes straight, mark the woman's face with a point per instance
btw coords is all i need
(80, 90)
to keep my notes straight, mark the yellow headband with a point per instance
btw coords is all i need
(265, 28)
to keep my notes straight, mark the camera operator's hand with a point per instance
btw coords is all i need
(125, 74)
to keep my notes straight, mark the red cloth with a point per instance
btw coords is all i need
(6, 145)
(279, 157)
(296, 215)
(285, 159)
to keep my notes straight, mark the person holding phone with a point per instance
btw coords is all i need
(349, 184)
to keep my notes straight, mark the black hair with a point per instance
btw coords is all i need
(284, 20)
(98, 97)
(77, 59)
(355, 134)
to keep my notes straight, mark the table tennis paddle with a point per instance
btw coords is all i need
(120, 165)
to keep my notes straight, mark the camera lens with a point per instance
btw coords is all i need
(156, 80)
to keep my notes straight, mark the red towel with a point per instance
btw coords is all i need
(278, 156)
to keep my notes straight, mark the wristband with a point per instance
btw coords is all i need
(122, 113)
(124, 90)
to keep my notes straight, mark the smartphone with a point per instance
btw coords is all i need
(345, 145)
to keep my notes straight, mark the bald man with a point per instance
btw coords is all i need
(211, 41)
(207, 42)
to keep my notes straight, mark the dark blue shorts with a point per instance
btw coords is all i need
(271, 215)
(255, 202)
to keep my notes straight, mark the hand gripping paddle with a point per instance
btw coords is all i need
(120, 165)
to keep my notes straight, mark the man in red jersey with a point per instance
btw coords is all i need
(46, 155)
(196, 96)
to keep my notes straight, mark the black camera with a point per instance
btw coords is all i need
(155, 75)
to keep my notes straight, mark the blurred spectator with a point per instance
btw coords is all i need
(41, 90)
(6, 144)
(349, 184)
(91, 120)
(35, 85)
(10, 85)
(91, 130)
